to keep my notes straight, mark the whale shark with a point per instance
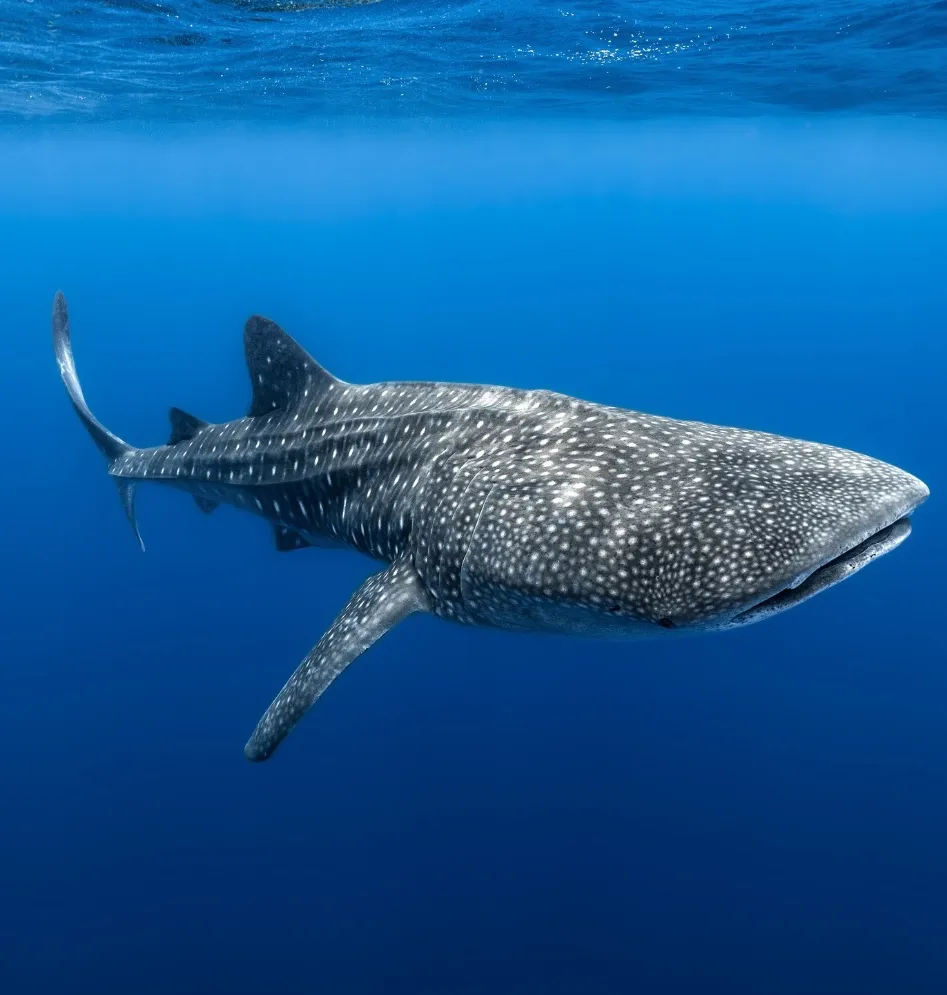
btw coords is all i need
(512, 508)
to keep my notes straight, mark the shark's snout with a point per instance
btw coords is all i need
(912, 491)
(864, 516)
(872, 497)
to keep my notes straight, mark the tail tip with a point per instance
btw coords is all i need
(60, 316)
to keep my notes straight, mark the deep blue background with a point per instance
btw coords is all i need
(467, 811)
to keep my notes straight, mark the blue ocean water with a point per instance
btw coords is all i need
(295, 59)
(692, 230)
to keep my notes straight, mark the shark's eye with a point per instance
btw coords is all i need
(666, 623)
(614, 609)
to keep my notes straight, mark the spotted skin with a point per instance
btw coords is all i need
(519, 509)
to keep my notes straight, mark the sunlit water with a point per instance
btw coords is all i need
(239, 59)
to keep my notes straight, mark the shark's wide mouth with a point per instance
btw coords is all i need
(836, 570)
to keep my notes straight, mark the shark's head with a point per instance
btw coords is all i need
(733, 527)
(681, 526)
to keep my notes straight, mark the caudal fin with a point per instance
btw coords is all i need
(110, 445)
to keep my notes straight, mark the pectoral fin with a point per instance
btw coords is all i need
(377, 606)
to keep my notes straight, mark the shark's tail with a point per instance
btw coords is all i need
(111, 446)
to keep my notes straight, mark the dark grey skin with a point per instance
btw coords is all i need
(520, 509)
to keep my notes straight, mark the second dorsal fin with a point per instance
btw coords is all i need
(183, 426)
(282, 373)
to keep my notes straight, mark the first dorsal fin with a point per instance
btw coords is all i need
(183, 426)
(283, 374)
